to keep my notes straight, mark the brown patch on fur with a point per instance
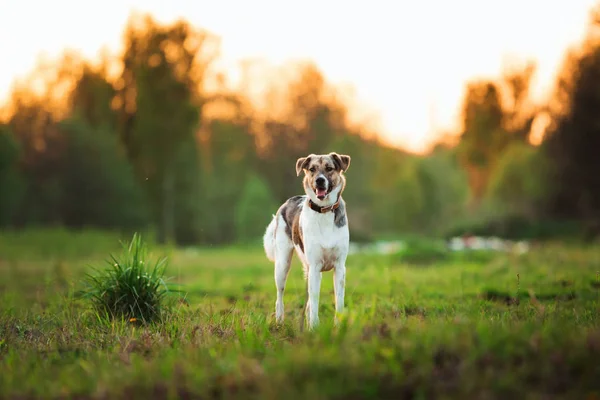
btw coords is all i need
(289, 211)
(328, 259)
(297, 232)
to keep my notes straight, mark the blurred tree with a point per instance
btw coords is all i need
(11, 181)
(397, 194)
(407, 208)
(189, 205)
(37, 103)
(228, 157)
(313, 112)
(254, 209)
(445, 189)
(483, 135)
(519, 113)
(278, 164)
(495, 114)
(92, 97)
(98, 186)
(41, 146)
(573, 139)
(9, 149)
(160, 102)
(197, 153)
(519, 184)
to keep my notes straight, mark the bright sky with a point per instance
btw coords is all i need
(407, 61)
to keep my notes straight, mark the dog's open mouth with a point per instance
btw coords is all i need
(321, 193)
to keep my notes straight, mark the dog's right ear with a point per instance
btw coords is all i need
(301, 164)
(342, 161)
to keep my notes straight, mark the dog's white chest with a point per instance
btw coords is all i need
(324, 242)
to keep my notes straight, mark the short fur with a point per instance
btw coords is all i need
(321, 240)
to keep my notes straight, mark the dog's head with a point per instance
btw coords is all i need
(324, 175)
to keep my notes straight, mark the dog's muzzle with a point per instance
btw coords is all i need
(321, 187)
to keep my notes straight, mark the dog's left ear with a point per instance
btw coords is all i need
(342, 161)
(301, 163)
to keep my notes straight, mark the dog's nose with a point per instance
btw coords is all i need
(320, 181)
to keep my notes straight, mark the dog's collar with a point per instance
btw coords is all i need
(323, 210)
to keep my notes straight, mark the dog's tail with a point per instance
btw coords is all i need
(269, 239)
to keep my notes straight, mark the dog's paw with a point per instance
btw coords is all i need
(340, 318)
(275, 326)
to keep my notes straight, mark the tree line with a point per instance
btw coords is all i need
(140, 141)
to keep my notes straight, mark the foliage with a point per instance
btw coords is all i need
(482, 134)
(445, 190)
(228, 156)
(130, 288)
(254, 209)
(11, 181)
(193, 151)
(9, 149)
(161, 104)
(397, 191)
(193, 147)
(574, 138)
(92, 97)
(188, 200)
(495, 114)
(98, 186)
(520, 181)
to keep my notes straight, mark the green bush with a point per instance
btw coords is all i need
(130, 288)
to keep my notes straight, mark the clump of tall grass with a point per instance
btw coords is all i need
(131, 287)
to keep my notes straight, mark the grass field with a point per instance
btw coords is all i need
(505, 326)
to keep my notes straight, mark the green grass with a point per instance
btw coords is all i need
(131, 286)
(467, 329)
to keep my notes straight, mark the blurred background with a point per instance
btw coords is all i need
(185, 119)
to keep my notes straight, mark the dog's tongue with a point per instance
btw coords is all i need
(321, 193)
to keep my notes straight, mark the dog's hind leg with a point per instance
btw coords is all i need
(282, 268)
(283, 259)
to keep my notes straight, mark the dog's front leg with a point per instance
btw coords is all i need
(314, 290)
(339, 287)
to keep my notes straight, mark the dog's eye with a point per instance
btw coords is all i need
(329, 169)
(312, 169)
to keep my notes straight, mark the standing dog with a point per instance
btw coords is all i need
(316, 226)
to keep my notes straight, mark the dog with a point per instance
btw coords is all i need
(315, 225)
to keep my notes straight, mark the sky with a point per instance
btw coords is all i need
(407, 61)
